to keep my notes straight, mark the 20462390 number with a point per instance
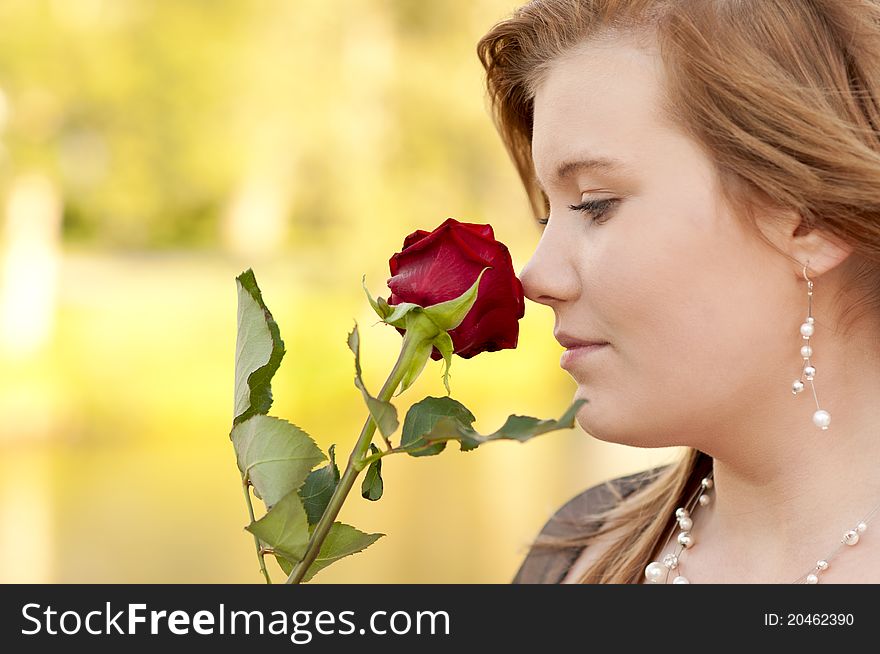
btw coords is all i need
(820, 619)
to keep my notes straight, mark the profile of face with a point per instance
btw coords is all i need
(697, 311)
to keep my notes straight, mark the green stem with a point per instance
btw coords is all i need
(397, 450)
(355, 463)
(247, 497)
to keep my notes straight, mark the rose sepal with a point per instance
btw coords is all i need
(422, 332)
(429, 327)
(450, 314)
(380, 306)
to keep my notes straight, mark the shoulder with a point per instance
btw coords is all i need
(545, 566)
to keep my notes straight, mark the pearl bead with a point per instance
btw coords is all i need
(707, 482)
(807, 329)
(685, 540)
(861, 528)
(704, 500)
(810, 372)
(682, 513)
(822, 418)
(685, 524)
(851, 537)
(821, 564)
(812, 578)
(655, 572)
(797, 387)
(806, 351)
(680, 580)
(670, 561)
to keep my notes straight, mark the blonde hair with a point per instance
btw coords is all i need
(782, 95)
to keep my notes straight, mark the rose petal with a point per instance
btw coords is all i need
(442, 264)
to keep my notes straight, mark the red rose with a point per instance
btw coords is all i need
(441, 265)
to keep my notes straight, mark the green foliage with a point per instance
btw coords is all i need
(384, 413)
(277, 458)
(372, 486)
(429, 326)
(380, 306)
(274, 456)
(258, 350)
(421, 419)
(284, 528)
(342, 540)
(318, 488)
(446, 347)
(429, 424)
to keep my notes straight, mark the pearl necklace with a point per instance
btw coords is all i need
(657, 572)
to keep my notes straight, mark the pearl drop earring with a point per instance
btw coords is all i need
(821, 418)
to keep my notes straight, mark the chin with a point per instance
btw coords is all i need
(614, 430)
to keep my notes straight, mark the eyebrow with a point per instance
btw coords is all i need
(568, 168)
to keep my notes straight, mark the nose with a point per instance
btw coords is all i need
(549, 277)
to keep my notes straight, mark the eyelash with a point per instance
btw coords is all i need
(594, 208)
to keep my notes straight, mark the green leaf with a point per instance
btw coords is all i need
(318, 488)
(275, 455)
(284, 528)
(421, 419)
(450, 314)
(286, 566)
(258, 351)
(372, 486)
(446, 347)
(384, 414)
(342, 540)
(435, 420)
(381, 306)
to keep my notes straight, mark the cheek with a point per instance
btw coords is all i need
(664, 373)
(685, 319)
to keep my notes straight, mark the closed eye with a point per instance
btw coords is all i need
(596, 209)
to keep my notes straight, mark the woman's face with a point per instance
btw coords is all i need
(701, 317)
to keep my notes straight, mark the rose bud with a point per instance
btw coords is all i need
(438, 266)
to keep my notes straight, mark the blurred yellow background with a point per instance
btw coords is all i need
(152, 150)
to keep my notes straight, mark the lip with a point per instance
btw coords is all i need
(567, 341)
(574, 354)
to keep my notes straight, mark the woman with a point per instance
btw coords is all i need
(709, 178)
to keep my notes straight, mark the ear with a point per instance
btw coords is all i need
(805, 243)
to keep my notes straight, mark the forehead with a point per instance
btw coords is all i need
(601, 99)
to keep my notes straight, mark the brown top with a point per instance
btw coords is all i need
(546, 566)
